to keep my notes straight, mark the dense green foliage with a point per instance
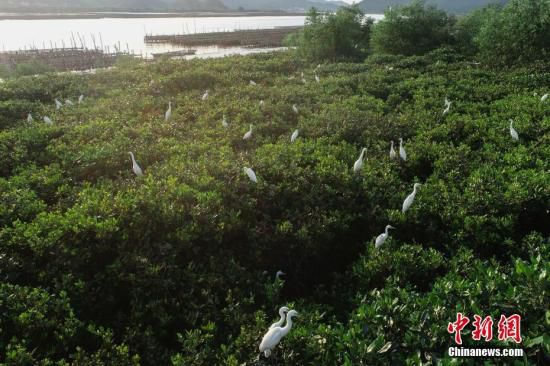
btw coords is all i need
(98, 266)
(330, 36)
(411, 30)
(509, 35)
(518, 33)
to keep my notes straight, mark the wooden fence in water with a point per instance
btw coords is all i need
(62, 59)
(250, 38)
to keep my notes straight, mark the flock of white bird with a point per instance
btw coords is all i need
(277, 331)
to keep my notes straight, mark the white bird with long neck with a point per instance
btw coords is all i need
(168, 113)
(48, 120)
(253, 83)
(402, 152)
(80, 98)
(251, 174)
(447, 106)
(205, 95)
(248, 134)
(278, 275)
(544, 97)
(135, 166)
(29, 118)
(295, 108)
(274, 335)
(359, 162)
(225, 124)
(262, 103)
(294, 136)
(380, 239)
(282, 313)
(393, 154)
(317, 79)
(513, 131)
(58, 104)
(410, 198)
(68, 102)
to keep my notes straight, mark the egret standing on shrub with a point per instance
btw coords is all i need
(248, 134)
(80, 98)
(48, 120)
(513, 131)
(359, 162)
(68, 102)
(205, 95)
(29, 118)
(294, 136)
(410, 198)
(168, 113)
(252, 82)
(544, 97)
(224, 122)
(317, 78)
(393, 154)
(402, 152)
(250, 174)
(135, 166)
(274, 335)
(447, 106)
(58, 104)
(380, 239)
(295, 108)
(282, 314)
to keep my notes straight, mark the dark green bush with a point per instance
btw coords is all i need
(516, 34)
(331, 36)
(412, 29)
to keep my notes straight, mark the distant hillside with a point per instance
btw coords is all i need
(453, 6)
(110, 5)
(264, 5)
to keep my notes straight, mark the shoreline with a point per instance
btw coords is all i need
(131, 15)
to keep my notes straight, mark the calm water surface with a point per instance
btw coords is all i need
(129, 32)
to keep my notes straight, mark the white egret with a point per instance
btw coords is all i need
(68, 102)
(402, 152)
(295, 108)
(261, 103)
(224, 122)
(248, 134)
(359, 163)
(251, 174)
(294, 136)
(393, 154)
(252, 82)
(410, 198)
(447, 106)
(29, 118)
(513, 131)
(282, 313)
(544, 97)
(278, 275)
(80, 98)
(304, 80)
(317, 78)
(302, 74)
(318, 66)
(168, 113)
(58, 104)
(274, 335)
(48, 120)
(205, 95)
(135, 166)
(380, 239)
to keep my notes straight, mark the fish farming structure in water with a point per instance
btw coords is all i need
(62, 59)
(250, 38)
